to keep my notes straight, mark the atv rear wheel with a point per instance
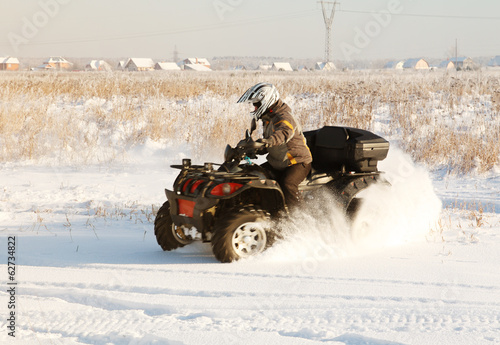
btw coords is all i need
(168, 235)
(240, 233)
(353, 208)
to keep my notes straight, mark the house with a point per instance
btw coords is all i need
(264, 67)
(302, 68)
(447, 64)
(325, 66)
(394, 65)
(139, 64)
(167, 66)
(44, 67)
(195, 61)
(9, 63)
(416, 64)
(495, 62)
(239, 68)
(121, 65)
(282, 67)
(98, 65)
(464, 63)
(196, 67)
(56, 63)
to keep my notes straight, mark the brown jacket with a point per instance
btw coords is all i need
(287, 143)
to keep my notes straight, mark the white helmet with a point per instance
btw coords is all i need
(263, 96)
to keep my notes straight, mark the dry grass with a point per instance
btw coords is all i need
(441, 119)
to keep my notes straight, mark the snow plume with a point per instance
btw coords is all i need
(388, 216)
(317, 231)
(403, 212)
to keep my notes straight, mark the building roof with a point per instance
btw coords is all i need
(141, 62)
(325, 66)
(461, 59)
(99, 65)
(167, 66)
(9, 59)
(390, 64)
(45, 66)
(56, 59)
(495, 61)
(196, 67)
(239, 68)
(411, 63)
(264, 67)
(282, 66)
(394, 64)
(195, 61)
(445, 64)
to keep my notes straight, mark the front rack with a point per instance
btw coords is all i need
(202, 170)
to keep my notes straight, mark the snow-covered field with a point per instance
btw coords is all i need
(423, 267)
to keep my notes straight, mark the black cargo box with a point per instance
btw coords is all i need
(346, 149)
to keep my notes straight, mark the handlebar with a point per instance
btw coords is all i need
(245, 148)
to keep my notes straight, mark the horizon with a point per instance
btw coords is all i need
(481, 61)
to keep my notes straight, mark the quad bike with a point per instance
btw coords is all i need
(233, 206)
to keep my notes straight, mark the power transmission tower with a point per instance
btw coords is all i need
(328, 17)
(176, 54)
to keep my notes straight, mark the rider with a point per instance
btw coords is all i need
(289, 157)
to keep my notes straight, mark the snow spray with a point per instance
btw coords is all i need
(391, 215)
(403, 212)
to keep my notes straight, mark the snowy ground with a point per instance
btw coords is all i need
(424, 268)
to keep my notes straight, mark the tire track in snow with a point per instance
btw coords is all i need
(213, 275)
(173, 301)
(75, 320)
(264, 287)
(71, 305)
(75, 293)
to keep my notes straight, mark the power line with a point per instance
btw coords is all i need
(203, 28)
(293, 15)
(424, 15)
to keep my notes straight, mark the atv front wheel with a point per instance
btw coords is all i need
(240, 233)
(168, 235)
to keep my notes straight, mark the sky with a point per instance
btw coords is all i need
(361, 29)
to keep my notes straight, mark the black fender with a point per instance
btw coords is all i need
(271, 198)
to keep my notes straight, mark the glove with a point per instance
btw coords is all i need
(262, 145)
(266, 142)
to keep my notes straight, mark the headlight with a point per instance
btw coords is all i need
(224, 189)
